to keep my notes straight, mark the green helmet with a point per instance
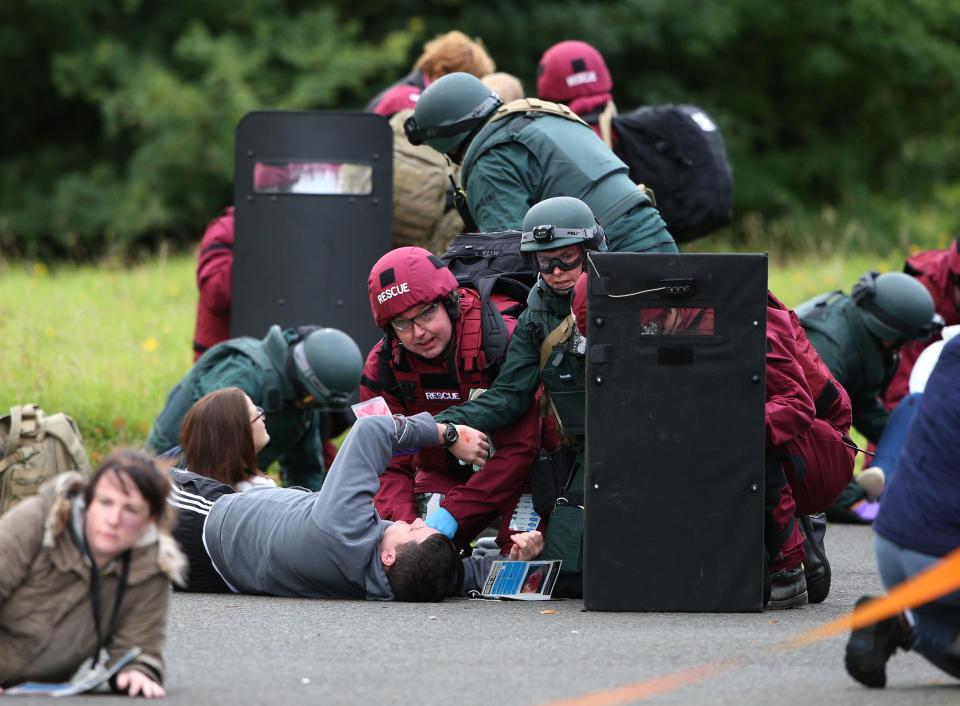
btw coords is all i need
(450, 109)
(895, 306)
(559, 222)
(328, 364)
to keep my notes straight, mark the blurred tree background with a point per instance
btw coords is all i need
(841, 119)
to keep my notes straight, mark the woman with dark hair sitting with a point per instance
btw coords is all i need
(79, 549)
(221, 435)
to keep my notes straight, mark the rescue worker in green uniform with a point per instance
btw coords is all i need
(859, 338)
(557, 233)
(518, 155)
(297, 376)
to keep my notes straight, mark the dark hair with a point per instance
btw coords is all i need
(424, 572)
(217, 437)
(152, 484)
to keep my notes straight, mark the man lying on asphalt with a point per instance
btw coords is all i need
(333, 544)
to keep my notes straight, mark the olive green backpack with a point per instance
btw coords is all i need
(33, 448)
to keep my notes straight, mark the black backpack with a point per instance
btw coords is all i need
(677, 151)
(476, 256)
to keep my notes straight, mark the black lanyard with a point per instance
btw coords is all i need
(95, 598)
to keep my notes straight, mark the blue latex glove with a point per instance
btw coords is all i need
(442, 521)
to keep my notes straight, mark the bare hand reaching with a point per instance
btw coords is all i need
(136, 683)
(526, 546)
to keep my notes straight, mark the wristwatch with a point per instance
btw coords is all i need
(450, 436)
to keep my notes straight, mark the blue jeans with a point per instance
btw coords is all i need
(895, 434)
(935, 633)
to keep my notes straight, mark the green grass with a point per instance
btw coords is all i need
(103, 343)
(106, 343)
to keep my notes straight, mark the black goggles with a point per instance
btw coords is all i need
(548, 261)
(417, 135)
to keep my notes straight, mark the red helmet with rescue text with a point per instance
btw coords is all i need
(570, 70)
(404, 278)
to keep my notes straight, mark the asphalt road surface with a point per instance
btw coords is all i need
(255, 650)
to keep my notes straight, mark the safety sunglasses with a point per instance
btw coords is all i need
(422, 319)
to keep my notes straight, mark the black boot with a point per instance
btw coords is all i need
(869, 648)
(788, 589)
(816, 567)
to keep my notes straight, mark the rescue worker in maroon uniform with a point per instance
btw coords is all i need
(215, 283)
(809, 452)
(939, 272)
(810, 458)
(431, 357)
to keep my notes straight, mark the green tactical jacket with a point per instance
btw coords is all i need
(519, 161)
(835, 327)
(515, 387)
(257, 368)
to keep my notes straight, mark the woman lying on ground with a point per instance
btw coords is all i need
(222, 433)
(49, 595)
(221, 436)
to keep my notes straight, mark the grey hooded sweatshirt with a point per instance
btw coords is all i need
(289, 542)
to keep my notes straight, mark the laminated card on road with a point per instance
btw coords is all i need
(522, 580)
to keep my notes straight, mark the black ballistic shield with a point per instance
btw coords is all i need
(313, 194)
(676, 359)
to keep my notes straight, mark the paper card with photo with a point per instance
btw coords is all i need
(522, 580)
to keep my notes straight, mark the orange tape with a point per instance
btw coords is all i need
(937, 581)
(646, 689)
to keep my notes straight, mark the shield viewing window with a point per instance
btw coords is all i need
(312, 177)
(677, 321)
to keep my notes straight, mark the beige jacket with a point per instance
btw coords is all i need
(46, 619)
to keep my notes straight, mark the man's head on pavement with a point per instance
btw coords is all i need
(557, 232)
(895, 307)
(449, 112)
(421, 563)
(413, 297)
(574, 73)
(326, 365)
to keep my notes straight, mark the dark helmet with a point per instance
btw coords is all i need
(328, 364)
(895, 306)
(558, 222)
(571, 70)
(404, 278)
(449, 110)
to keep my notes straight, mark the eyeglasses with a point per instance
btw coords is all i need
(546, 261)
(422, 319)
(260, 415)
